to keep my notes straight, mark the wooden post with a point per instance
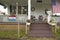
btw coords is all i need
(18, 30)
(26, 28)
(56, 27)
(27, 24)
(17, 20)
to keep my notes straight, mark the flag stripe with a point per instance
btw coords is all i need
(56, 6)
(53, 2)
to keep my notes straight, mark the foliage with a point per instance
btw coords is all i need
(22, 33)
(58, 32)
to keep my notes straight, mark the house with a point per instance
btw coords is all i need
(33, 12)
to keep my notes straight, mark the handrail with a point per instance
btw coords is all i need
(54, 24)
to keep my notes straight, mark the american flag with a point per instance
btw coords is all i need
(12, 17)
(56, 6)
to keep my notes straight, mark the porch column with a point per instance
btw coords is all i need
(29, 14)
(16, 8)
(29, 9)
(8, 10)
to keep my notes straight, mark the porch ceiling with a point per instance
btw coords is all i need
(13, 2)
(34, 2)
(23, 2)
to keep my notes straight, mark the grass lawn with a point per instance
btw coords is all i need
(12, 34)
(8, 34)
(12, 31)
(23, 34)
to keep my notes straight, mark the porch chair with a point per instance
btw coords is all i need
(32, 18)
(40, 18)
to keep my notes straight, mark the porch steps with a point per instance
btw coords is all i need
(40, 30)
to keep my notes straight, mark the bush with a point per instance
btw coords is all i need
(58, 33)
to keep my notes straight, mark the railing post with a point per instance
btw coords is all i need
(18, 30)
(27, 24)
(26, 29)
(55, 27)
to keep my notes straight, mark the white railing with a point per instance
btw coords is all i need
(21, 19)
